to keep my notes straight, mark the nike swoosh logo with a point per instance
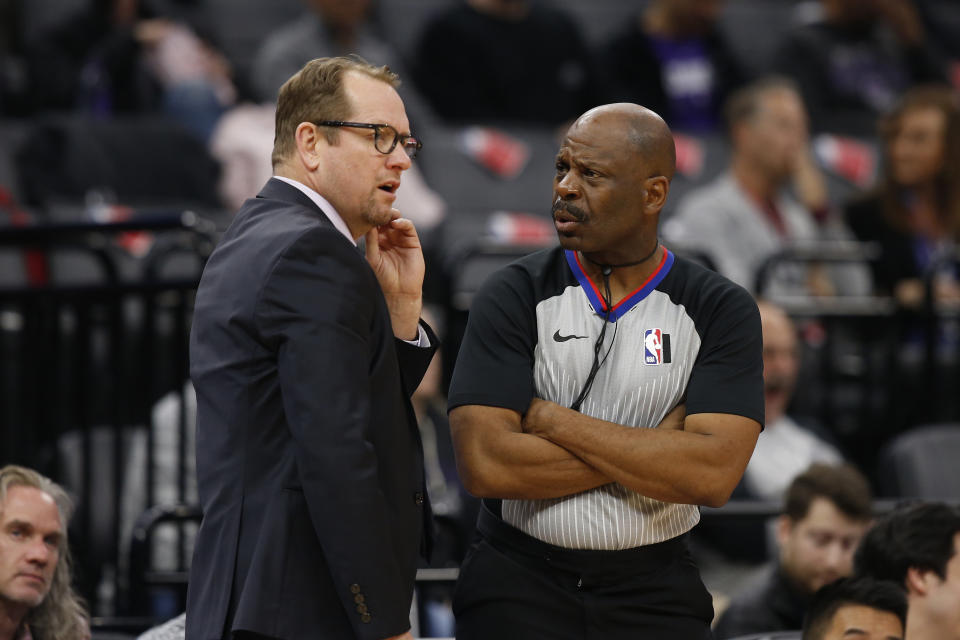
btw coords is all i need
(559, 338)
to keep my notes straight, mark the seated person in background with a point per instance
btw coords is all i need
(853, 63)
(671, 58)
(122, 57)
(36, 596)
(474, 62)
(329, 28)
(785, 448)
(748, 214)
(826, 511)
(860, 608)
(918, 547)
(914, 212)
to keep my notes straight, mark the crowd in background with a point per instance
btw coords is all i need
(866, 90)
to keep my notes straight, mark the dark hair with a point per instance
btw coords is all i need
(882, 595)
(316, 93)
(918, 535)
(841, 484)
(745, 102)
(947, 183)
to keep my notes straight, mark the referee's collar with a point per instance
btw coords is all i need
(628, 302)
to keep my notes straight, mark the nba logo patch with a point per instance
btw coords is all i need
(656, 347)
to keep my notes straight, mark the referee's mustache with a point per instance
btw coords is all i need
(560, 205)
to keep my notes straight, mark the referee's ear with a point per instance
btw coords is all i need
(655, 190)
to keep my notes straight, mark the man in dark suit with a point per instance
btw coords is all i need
(304, 356)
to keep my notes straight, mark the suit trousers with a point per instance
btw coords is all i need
(514, 586)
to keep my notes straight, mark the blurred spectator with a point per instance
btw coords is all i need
(120, 56)
(672, 58)
(914, 213)
(785, 448)
(853, 63)
(826, 511)
(918, 546)
(505, 60)
(748, 213)
(857, 608)
(36, 594)
(329, 28)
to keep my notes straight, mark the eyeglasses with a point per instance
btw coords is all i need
(385, 137)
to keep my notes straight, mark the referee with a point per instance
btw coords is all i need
(604, 389)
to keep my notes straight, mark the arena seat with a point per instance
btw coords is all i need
(238, 28)
(139, 160)
(922, 463)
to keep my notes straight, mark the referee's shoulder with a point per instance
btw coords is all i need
(706, 288)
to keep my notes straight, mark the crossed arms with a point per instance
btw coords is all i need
(552, 451)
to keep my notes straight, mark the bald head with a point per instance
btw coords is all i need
(774, 316)
(612, 179)
(781, 359)
(637, 130)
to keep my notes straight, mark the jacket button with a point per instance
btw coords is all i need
(365, 618)
(358, 598)
(418, 498)
(361, 608)
(354, 588)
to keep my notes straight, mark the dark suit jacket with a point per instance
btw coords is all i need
(309, 462)
(769, 602)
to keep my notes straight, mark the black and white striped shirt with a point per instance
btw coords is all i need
(686, 335)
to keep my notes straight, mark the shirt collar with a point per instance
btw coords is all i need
(323, 205)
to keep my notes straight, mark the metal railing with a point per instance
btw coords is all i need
(85, 357)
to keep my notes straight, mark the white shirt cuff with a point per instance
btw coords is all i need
(423, 340)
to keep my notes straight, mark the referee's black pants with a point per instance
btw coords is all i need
(515, 587)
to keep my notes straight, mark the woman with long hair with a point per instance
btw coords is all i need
(914, 211)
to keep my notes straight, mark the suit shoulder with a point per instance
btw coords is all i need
(271, 228)
(750, 610)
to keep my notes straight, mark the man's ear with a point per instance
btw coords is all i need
(655, 192)
(917, 580)
(308, 139)
(784, 528)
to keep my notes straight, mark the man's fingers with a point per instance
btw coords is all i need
(399, 233)
(403, 225)
(373, 240)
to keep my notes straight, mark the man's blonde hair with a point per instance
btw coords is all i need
(316, 93)
(61, 614)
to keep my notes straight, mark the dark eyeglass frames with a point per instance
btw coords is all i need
(385, 137)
